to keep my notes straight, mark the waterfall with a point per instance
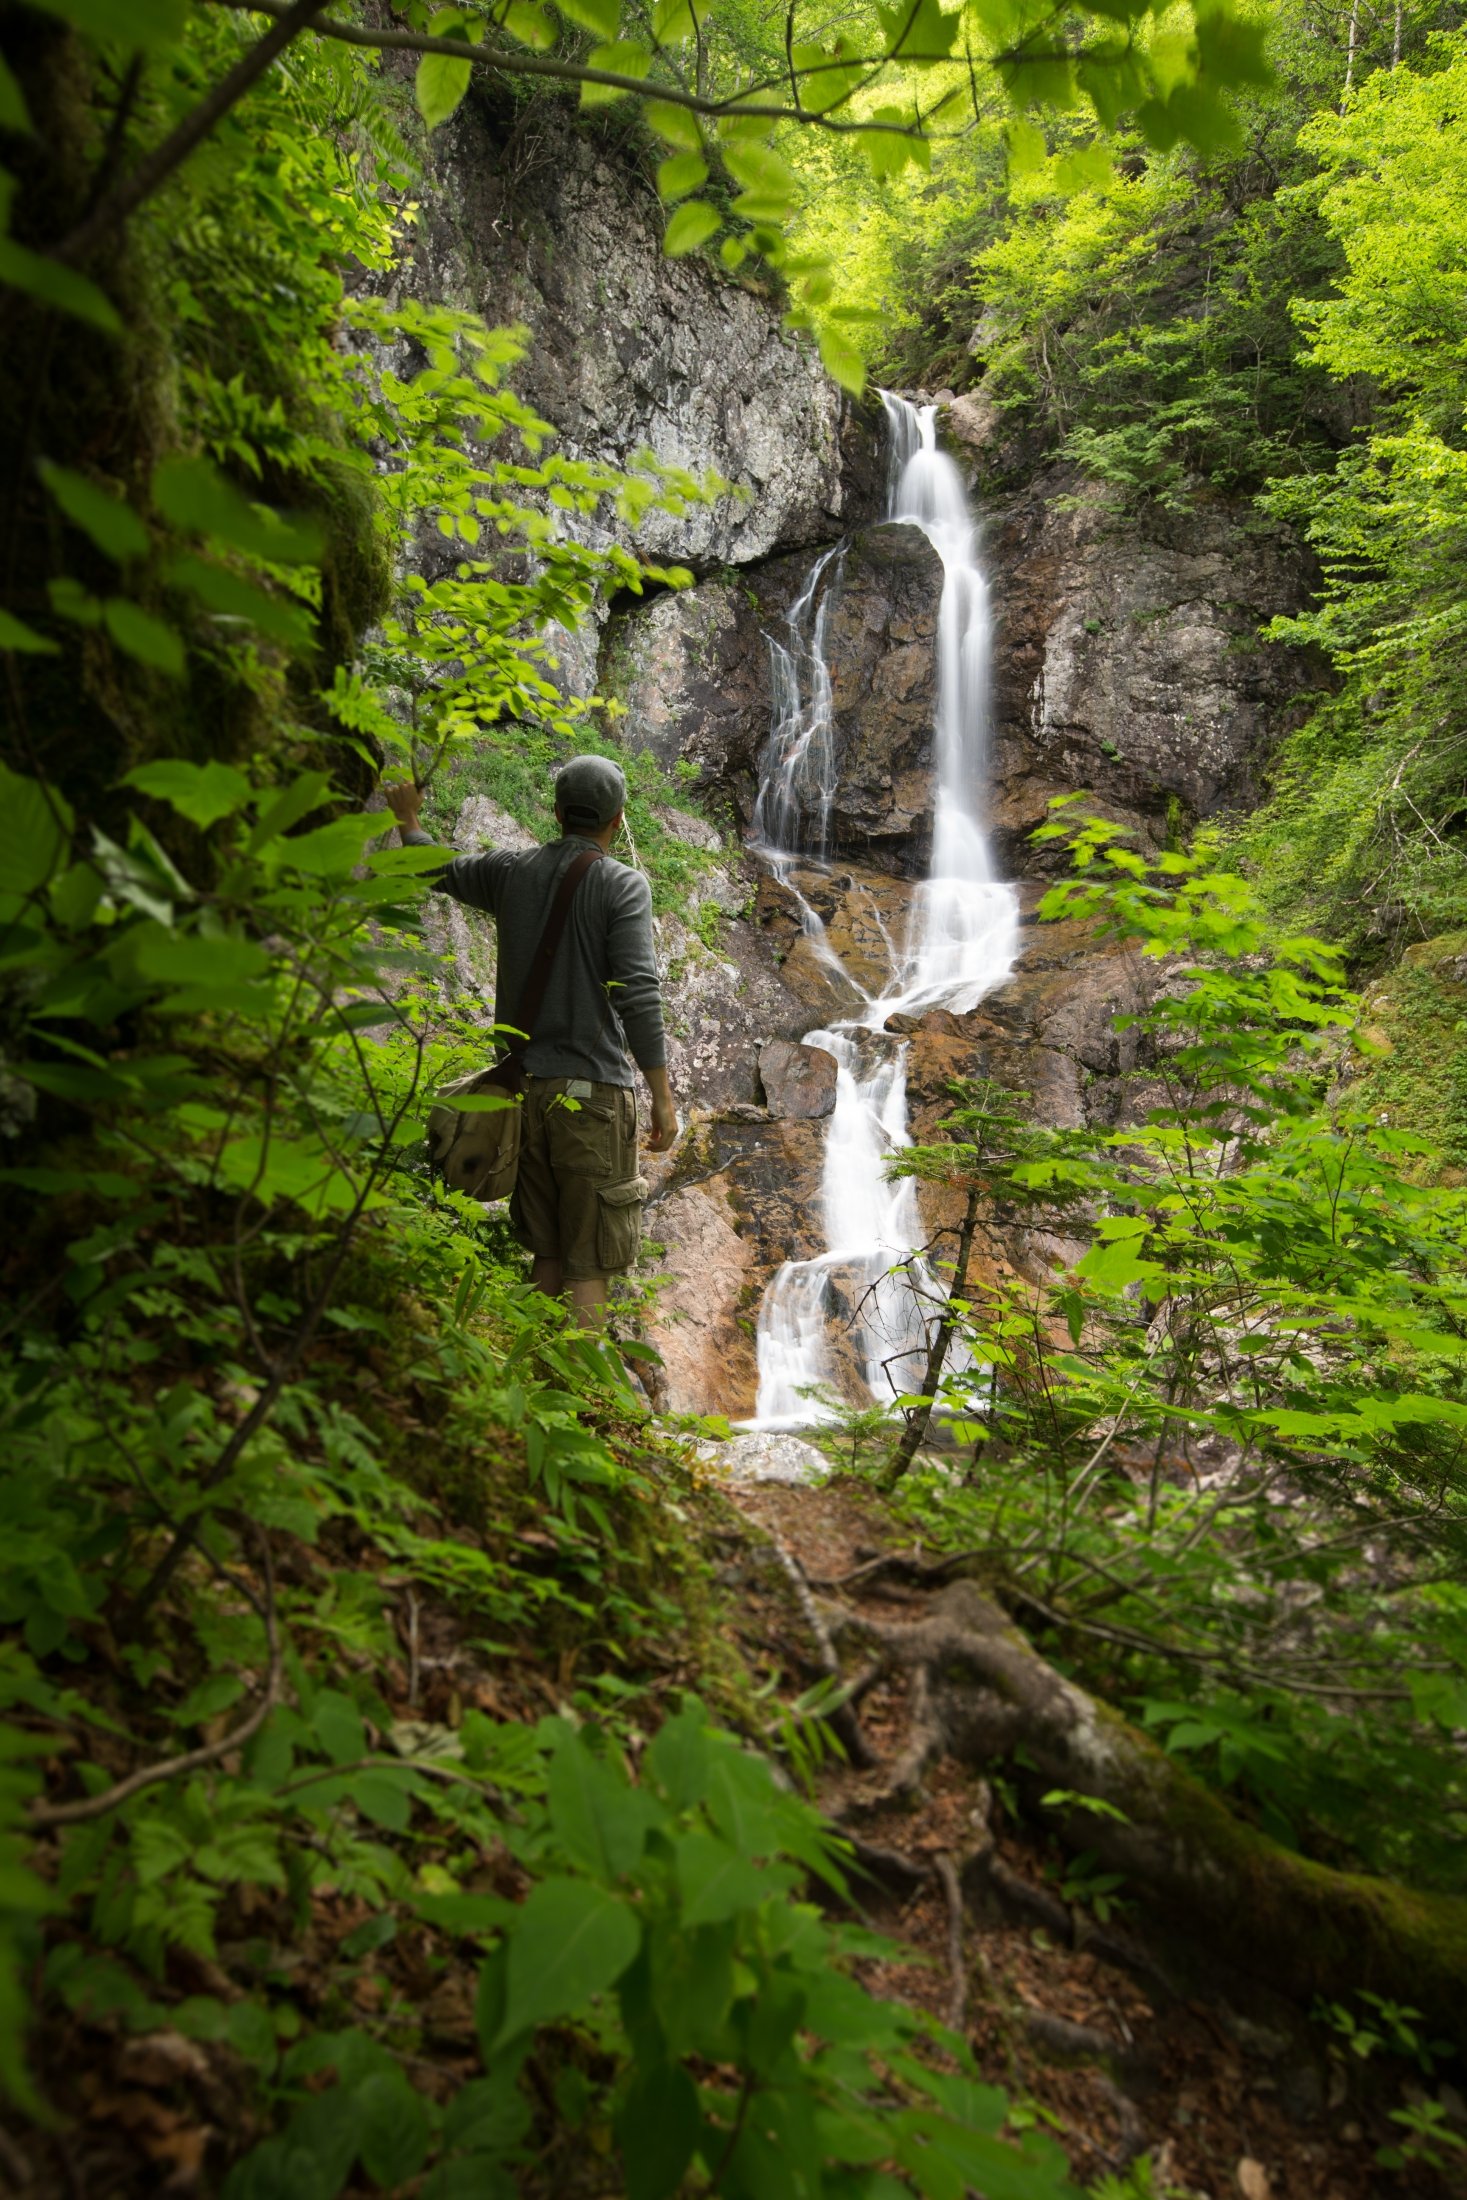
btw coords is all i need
(962, 939)
(797, 770)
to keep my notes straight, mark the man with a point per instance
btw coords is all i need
(577, 1202)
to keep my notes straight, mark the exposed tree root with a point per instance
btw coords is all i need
(1201, 1874)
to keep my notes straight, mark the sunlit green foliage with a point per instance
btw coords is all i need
(1221, 1455)
(1367, 829)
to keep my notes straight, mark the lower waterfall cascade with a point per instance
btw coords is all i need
(961, 943)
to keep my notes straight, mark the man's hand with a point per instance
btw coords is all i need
(405, 803)
(664, 1112)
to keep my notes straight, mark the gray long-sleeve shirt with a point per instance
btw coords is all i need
(603, 996)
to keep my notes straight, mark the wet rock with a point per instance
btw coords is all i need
(708, 1267)
(799, 1081)
(692, 671)
(766, 1456)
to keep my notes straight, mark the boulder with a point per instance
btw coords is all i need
(799, 1081)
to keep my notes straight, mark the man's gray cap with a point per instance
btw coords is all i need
(590, 790)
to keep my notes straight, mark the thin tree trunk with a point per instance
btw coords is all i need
(1350, 43)
(920, 1417)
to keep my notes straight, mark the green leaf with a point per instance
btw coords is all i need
(761, 172)
(600, 16)
(58, 286)
(841, 362)
(600, 1821)
(203, 793)
(674, 125)
(490, 2114)
(572, 1940)
(14, 635)
(623, 58)
(681, 173)
(112, 525)
(657, 2130)
(715, 1882)
(677, 1758)
(467, 1914)
(393, 2128)
(439, 86)
(742, 1800)
(1439, 1696)
(13, 115)
(147, 23)
(230, 597)
(674, 22)
(531, 25)
(337, 1726)
(385, 1797)
(35, 825)
(142, 636)
(886, 152)
(692, 225)
(194, 495)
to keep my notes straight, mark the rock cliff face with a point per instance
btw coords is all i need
(530, 222)
(1126, 662)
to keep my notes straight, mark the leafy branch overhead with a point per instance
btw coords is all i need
(897, 80)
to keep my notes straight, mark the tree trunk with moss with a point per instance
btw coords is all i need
(1199, 1873)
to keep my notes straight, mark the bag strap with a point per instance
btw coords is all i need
(538, 976)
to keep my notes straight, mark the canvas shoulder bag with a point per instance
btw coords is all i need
(477, 1150)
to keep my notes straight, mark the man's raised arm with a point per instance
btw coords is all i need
(469, 879)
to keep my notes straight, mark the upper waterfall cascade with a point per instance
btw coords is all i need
(961, 943)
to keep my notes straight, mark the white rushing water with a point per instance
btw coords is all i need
(961, 943)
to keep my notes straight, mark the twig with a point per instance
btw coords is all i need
(947, 1872)
(517, 63)
(15, 2164)
(414, 1668)
(173, 1768)
(841, 1719)
(920, 1418)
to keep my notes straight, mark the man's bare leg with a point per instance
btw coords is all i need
(587, 1296)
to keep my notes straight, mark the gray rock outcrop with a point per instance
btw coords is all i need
(1128, 660)
(528, 220)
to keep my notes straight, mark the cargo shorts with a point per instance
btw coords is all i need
(578, 1198)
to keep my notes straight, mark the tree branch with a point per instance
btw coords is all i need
(156, 167)
(47, 1815)
(517, 63)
